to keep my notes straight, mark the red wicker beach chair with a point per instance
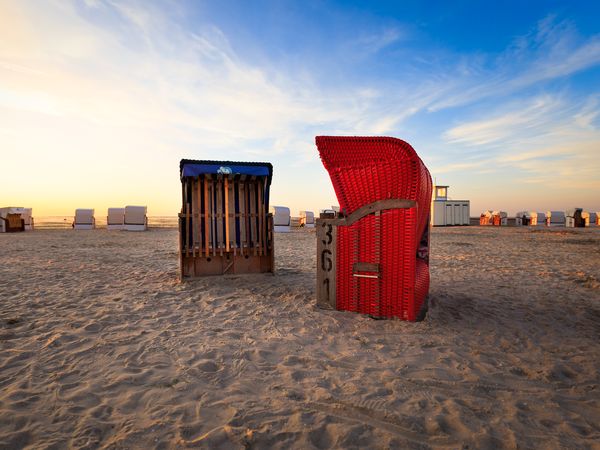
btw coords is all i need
(382, 246)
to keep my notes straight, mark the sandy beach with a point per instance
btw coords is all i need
(102, 347)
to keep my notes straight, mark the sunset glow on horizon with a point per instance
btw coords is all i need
(99, 100)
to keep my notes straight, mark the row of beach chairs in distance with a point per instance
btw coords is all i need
(283, 221)
(573, 218)
(130, 218)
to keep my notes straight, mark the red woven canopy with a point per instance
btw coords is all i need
(364, 170)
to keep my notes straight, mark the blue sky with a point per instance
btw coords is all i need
(500, 99)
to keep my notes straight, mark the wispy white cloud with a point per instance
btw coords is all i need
(373, 43)
(521, 118)
(546, 139)
(552, 50)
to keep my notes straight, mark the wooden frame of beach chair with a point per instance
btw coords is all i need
(225, 226)
(115, 219)
(374, 257)
(84, 219)
(135, 218)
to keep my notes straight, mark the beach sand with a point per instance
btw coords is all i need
(102, 347)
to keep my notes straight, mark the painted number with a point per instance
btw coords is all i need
(328, 234)
(326, 262)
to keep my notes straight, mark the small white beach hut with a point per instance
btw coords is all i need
(555, 218)
(115, 219)
(84, 219)
(307, 219)
(445, 212)
(136, 218)
(281, 218)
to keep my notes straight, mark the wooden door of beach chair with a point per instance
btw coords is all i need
(381, 254)
(225, 226)
(13, 223)
(12, 219)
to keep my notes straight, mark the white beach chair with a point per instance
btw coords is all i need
(555, 218)
(281, 218)
(573, 218)
(12, 219)
(115, 219)
(135, 218)
(523, 218)
(541, 218)
(594, 218)
(84, 219)
(307, 219)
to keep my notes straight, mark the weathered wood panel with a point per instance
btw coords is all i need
(326, 263)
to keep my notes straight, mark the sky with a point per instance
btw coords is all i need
(100, 99)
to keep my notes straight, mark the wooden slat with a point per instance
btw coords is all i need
(247, 212)
(254, 211)
(235, 216)
(226, 186)
(213, 222)
(261, 218)
(219, 211)
(198, 217)
(242, 217)
(206, 220)
(187, 228)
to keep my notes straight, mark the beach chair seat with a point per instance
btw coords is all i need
(382, 244)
